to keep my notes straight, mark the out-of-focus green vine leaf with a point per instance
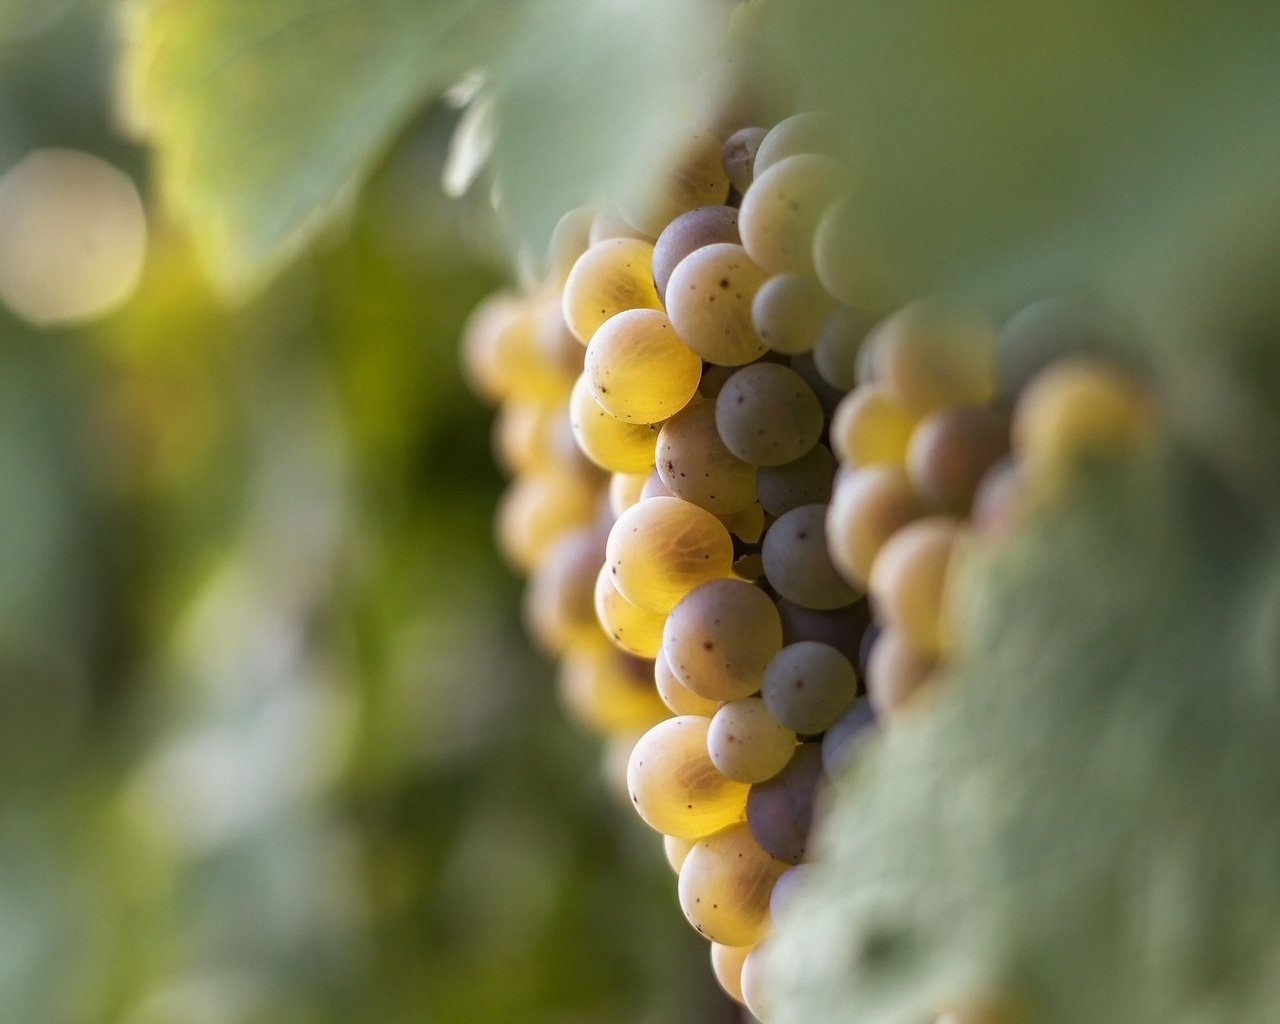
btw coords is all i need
(266, 115)
(1084, 820)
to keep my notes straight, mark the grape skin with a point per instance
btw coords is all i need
(837, 344)
(638, 368)
(867, 507)
(928, 357)
(808, 685)
(846, 736)
(896, 671)
(950, 452)
(696, 178)
(797, 563)
(719, 638)
(746, 743)
(841, 628)
(608, 691)
(674, 786)
(909, 580)
(706, 225)
(633, 629)
(607, 441)
(725, 884)
(537, 509)
(726, 965)
(811, 131)
(675, 695)
(559, 603)
(709, 301)
(868, 428)
(789, 311)
(781, 210)
(767, 415)
(695, 464)
(610, 277)
(661, 548)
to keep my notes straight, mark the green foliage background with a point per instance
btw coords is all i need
(278, 750)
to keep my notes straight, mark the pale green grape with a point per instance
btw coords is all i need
(608, 691)
(808, 685)
(725, 884)
(709, 301)
(675, 695)
(638, 368)
(767, 415)
(695, 178)
(781, 210)
(606, 440)
(909, 580)
(719, 638)
(867, 507)
(738, 156)
(868, 428)
(674, 786)
(696, 466)
(797, 563)
(612, 276)
(633, 629)
(805, 481)
(706, 225)
(928, 357)
(950, 452)
(748, 744)
(789, 311)
(661, 548)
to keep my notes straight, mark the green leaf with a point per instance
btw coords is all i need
(265, 115)
(1084, 819)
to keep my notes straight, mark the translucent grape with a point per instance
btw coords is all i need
(609, 223)
(928, 357)
(612, 276)
(696, 466)
(675, 695)
(634, 629)
(748, 744)
(537, 509)
(654, 487)
(676, 851)
(556, 345)
(797, 563)
(805, 481)
(868, 428)
(725, 885)
(808, 685)
(726, 965)
(606, 440)
(896, 671)
(754, 982)
(559, 606)
(788, 312)
(781, 210)
(709, 300)
(719, 638)
(501, 356)
(841, 628)
(746, 524)
(638, 368)
(867, 507)
(608, 691)
(696, 178)
(909, 580)
(950, 452)
(846, 736)
(624, 491)
(767, 415)
(662, 548)
(707, 225)
(674, 786)
(614, 759)
(837, 344)
(811, 131)
(780, 811)
(738, 156)
(524, 435)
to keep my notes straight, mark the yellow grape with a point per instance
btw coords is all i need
(537, 509)
(896, 670)
(928, 357)
(661, 548)
(867, 507)
(606, 440)
(608, 691)
(674, 786)
(747, 524)
(625, 490)
(726, 965)
(675, 695)
(611, 276)
(638, 368)
(868, 428)
(909, 580)
(725, 884)
(633, 629)
(676, 850)
(501, 355)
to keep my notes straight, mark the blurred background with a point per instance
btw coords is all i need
(273, 745)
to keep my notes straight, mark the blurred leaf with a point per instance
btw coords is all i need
(1085, 818)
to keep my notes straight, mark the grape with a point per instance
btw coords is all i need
(726, 965)
(523, 435)
(654, 487)
(836, 348)
(867, 506)
(997, 503)
(707, 225)
(1078, 409)
(676, 850)
(767, 415)
(788, 312)
(896, 671)
(747, 524)
(614, 759)
(713, 379)
(868, 428)
(847, 268)
(611, 276)
(950, 452)
(808, 685)
(569, 240)
(709, 300)
(697, 178)
(696, 466)
(809, 132)
(754, 983)
(674, 786)
(500, 354)
(841, 628)
(662, 548)
(634, 629)
(748, 744)
(797, 563)
(608, 691)
(781, 210)
(675, 695)
(725, 884)
(738, 156)
(557, 347)
(606, 440)
(780, 811)
(806, 481)
(625, 490)
(609, 223)
(928, 357)
(828, 396)
(638, 368)
(784, 889)
(537, 509)
(1036, 337)
(719, 638)
(909, 580)
(559, 606)
(846, 737)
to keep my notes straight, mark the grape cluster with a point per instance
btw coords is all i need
(741, 497)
